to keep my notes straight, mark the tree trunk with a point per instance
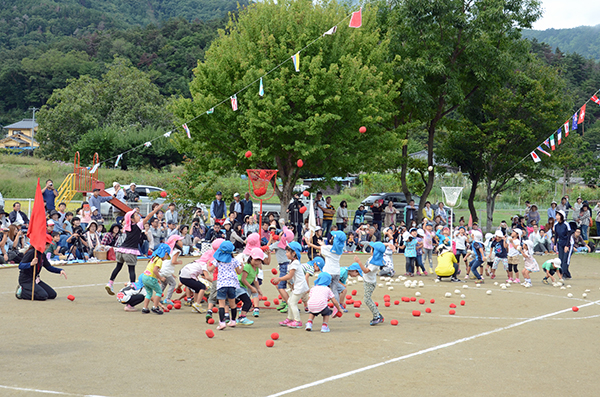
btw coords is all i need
(430, 174)
(474, 183)
(404, 169)
(490, 202)
(565, 177)
(289, 176)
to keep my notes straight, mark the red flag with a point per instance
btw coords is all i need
(37, 222)
(595, 99)
(356, 19)
(581, 115)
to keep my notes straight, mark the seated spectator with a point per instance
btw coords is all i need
(214, 233)
(92, 237)
(198, 231)
(579, 244)
(13, 241)
(368, 238)
(237, 237)
(52, 251)
(110, 238)
(77, 243)
(250, 225)
(18, 217)
(172, 228)
(96, 216)
(541, 242)
(4, 221)
(186, 242)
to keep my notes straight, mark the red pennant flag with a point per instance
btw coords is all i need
(595, 99)
(581, 115)
(536, 158)
(37, 222)
(356, 19)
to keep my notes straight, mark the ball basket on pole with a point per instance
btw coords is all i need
(259, 182)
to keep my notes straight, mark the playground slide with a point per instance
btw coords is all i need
(118, 204)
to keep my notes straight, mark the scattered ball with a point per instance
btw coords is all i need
(496, 283)
(215, 310)
(452, 305)
(71, 298)
(457, 291)
(267, 304)
(357, 315)
(452, 312)
(166, 310)
(275, 301)
(416, 313)
(169, 306)
(390, 288)
(377, 304)
(413, 299)
(210, 333)
(177, 306)
(584, 295)
(163, 194)
(211, 321)
(569, 295)
(387, 304)
(248, 154)
(422, 301)
(274, 336)
(463, 296)
(575, 309)
(178, 290)
(489, 292)
(462, 303)
(405, 299)
(448, 295)
(362, 130)
(432, 301)
(417, 293)
(428, 310)
(349, 296)
(568, 286)
(354, 292)
(394, 322)
(396, 302)
(274, 271)
(270, 343)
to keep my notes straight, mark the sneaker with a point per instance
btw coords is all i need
(527, 285)
(284, 309)
(282, 305)
(309, 326)
(295, 324)
(509, 280)
(244, 321)
(129, 308)
(431, 270)
(493, 276)
(285, 322)
(516, 280)
(208, 316)
(344, 310)
(425, 274)
(439, 278)
(188, 301)
(231, 323)
(197, 308)
(467, 276)
(306, 310)
(145, 310)
(418, 273)
(168, 302)
(221, 326)
(156, 310)
(18, 292)
(256, 313)
(325, 328)
(455, 280)
(545, 281)
(480, 281)
(376, 320)
(109, 288)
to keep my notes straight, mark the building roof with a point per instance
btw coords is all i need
(25, 124)
(23, 136)
(14, 139)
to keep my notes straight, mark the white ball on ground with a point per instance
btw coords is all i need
(478, 285)
(457, 291)
(448, 295)
(584, 295)
(465, 286)
(496, 283)
(503, 287)
(568, 286)
(388, 283)
(437, 280)
(508, 281)
(563, 287)
(489, 292)
(569, 295)
(587, 290)
(403, 278)
(463, 296)
(380, 285)
(360, 278)
(390, 288)
(417, 293)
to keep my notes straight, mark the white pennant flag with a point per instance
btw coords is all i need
(119, 157)
(148, 144)
(167, 134)
(331, 31)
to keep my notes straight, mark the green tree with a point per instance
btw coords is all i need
(123, 97)
(313, 115)
(449, 50)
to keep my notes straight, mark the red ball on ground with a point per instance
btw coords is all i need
(462, 303)
(422, 301)
(394, 322)
(270, 343)
(169, 307)
(452, 312)
(575, 309)
(267, 304)
(178, 290)
(377, 304)
(354, 292)
(348, 297)
(428, 310)
(357, 315)
(177, 306)
(177, 301)
(452, 305)
(387, 304)
(274, 336)
(163, 194)
(210, 333)
(362, 129)
(215, 310)
(276, 301)
(300, 163)
(166, 310)
(248, 154)
(405, 299)
(413, 299)
(302, 209)
(356, 305)
(432, 301)
(279, 296)
(396, 302)
(386, 297)
(211, 321)
(71, 298)
(264, 298)
(416, 313)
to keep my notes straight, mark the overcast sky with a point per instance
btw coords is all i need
(559, 14)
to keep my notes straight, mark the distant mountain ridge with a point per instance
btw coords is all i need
(584, 40)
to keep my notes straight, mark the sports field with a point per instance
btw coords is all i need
(516, 341)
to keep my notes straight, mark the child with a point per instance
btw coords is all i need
(428, 245)
(285, 237)
(460, 240)
(227, 281)
(96, 216)
(447, 264)
(369, 270)
(85, 213)
(252, 242)
(514, 246)
(207, 258)
(550, 267)
(420, 236)
(53, 250)
(500, 250)
(195, 277)
(249, 281)
(132, 295)
(489, 253)
(320, 294)
(332, 254)
(300, 287)
(478, 255)
(410, 251)
(168, 269)
(150, 279)
(530, 265)
(443, 234)
(388, 269)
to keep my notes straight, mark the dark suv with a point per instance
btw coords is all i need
(398, 199)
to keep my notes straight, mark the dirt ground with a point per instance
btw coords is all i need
(513, 342)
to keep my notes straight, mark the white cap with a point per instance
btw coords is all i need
(499, 233)
(50, 222)
(406, 235)
(132, 184)
(477, 236)
(236, 194)
(421, 233)
(93, 209)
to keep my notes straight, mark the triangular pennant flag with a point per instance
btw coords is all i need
(331, 31)
(547, 143)
(574, 123)
(543, 151)
(552, 146)
(167, 134)
(356, 19)
(536, 158)
(559, 135)
(210, 111)
(296, 60)
(581, 115)
(261, 89)
(595, 99)
(566, 125)
(148, 144)
(187, 130)
(234, 103)
(119, 157)
(95, 168)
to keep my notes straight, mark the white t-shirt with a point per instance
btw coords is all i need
(371, 277)
(193, 270)
(332, 261)
(298, 280)
(512, 247)
(167, 268)
(318, 205)
(461, 242)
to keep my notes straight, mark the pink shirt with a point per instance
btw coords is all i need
(428, 240)
(319, 296)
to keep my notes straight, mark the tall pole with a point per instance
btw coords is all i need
(34, 109)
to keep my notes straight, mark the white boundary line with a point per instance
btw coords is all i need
(64, 287)
(47, 391)
(420, 352)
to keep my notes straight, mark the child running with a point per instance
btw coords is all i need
(530, 265)
(299, 288)
(332, 254)
(320, 294)
(370, 269)
(150, 279)
(227, 281)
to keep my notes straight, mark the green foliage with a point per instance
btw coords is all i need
(312, 115)
(123, 97)
(584, 40)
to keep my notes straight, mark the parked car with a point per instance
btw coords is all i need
(145, 203)
(398, 199)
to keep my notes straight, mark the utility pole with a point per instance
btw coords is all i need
(34, 109)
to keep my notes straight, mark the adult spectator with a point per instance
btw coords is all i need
(158, 230)
(132, 196)
(428, 211)
(215, 232)
(250, 225)
(328, 214)
(320, 205)
(294, 215)
(95, 200)
(390, 214)
(576, 207)
(583, 220)
(217, 209)
(248, 205)
(552, 210)
(13, 240)
(237, 237)
(441, 212)
(377, 213)
(172, 229)
(410, 212)
(49, 193)
(527, 207)
(18, 217)
(359, 217)
(119, 192)
(201, 217)
(198, 231)
(579, 244)
(4, 222)
(110, 238)
(238, 207)
(172, 215)
(533, 216)
(341, 216)
(564, 206)
(541, 241)
(365, 239)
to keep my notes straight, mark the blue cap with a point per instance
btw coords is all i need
(318, 262)
(378, 251)
(323, 279)
(339, 241)
(223, 254)
(162, 250)
(356, 266)
(297, 249)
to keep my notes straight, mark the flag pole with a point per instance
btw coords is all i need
(34, 271)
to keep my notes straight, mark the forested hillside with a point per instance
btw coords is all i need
(43, 43)
(584, 40)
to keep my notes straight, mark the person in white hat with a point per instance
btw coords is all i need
(551, 267)
(500, 250)
(447, 264)
(514, 248)
(478, 255)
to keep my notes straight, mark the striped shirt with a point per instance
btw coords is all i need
(319, 296)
